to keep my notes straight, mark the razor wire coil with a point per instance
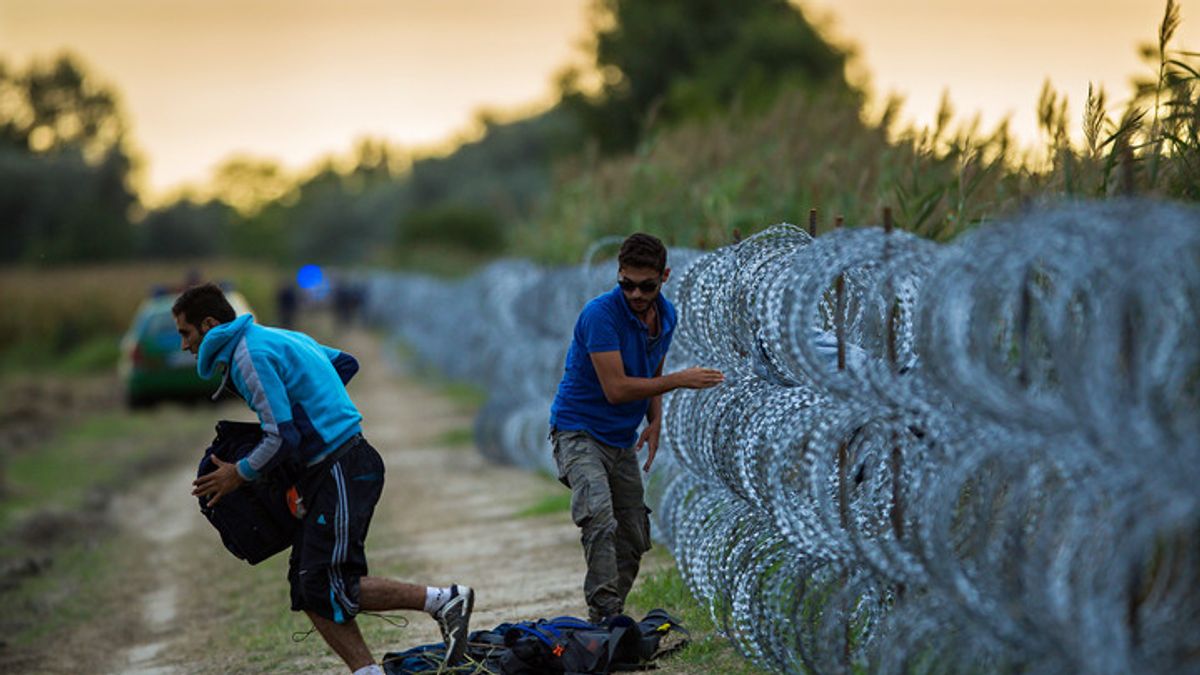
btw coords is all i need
(924, 458)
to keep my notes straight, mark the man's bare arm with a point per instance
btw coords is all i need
(654, 412)
(621, 388)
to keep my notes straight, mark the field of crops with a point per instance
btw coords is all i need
(73, 316)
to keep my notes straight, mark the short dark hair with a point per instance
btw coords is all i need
(205, 300)
(643, 251)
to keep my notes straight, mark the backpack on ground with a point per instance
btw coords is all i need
(254, 521)
(565, 644)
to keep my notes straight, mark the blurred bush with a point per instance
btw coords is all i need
(469, 228)
(671, 61)
(65, 193)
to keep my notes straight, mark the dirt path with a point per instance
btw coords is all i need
(163, 521)
(176, 602)
(453, 515)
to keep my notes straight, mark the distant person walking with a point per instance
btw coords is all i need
(286, 301)
(345, 301)
(311, 427)
(613, 380)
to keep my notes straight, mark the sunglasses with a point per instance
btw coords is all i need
(647, 286)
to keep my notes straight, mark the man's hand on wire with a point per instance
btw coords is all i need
(649, 437)
(699, 378)
(219, 482)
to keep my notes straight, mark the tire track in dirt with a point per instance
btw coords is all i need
(163, 521)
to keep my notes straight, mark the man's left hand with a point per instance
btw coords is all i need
(219, 482)
(649, 437)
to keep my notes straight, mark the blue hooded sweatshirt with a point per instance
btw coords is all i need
(295, 385)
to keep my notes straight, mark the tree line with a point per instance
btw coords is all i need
(67, 170)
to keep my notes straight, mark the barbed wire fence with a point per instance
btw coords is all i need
(973, 457)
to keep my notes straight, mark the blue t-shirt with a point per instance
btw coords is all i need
(606, 325)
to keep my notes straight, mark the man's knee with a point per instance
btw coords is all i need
(597, 527)
(633, 530)
(334, 596)
(591, 502)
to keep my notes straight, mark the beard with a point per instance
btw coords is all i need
(639, 306)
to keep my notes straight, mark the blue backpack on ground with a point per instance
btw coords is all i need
(564, 645)
(254, 521)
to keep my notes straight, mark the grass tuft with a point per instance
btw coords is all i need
(456, 438)
(559, 502)
(709, 651)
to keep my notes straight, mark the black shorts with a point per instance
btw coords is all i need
(328, 555)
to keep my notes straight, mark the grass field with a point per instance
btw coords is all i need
(70, 319)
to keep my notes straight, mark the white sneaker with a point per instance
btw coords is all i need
(454, 620)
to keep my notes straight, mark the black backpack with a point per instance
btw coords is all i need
(254, 521)
(565, 645)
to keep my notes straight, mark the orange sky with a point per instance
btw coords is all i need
(298, 79)
(993, 56)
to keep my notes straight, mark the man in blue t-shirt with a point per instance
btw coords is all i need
(612, 380)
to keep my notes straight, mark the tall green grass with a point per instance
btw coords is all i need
(696, 185)
(70, 318)
(709, 651)
(98, 452)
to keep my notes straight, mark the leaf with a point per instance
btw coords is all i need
(1170, 24)
(1093, 117)
(1183, 65)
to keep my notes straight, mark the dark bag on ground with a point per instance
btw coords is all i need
(254, 521)
(564, 645)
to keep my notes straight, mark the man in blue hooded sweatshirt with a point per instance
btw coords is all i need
(312, 434)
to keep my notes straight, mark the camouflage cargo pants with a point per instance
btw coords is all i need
(607, 504)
